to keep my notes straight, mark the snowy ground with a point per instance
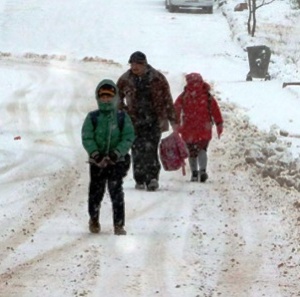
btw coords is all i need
(236, 235)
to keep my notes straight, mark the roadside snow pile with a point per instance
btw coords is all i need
(266, 151)
(48, 58)
(272, 158)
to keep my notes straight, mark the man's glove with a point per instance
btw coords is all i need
(219, 130)
(113, 157)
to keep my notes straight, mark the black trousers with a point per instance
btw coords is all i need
(145, 159)
(112, 176)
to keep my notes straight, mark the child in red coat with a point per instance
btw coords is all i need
(197, 110)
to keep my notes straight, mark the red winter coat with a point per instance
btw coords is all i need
(195, 111)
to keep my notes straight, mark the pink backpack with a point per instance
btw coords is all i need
(173, 152)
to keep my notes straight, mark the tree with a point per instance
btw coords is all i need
(252, 7)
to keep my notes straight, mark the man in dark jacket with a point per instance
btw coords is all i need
(107, 137)
(145, 95)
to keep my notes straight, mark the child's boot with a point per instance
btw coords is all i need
(203, 176)
(194, 177)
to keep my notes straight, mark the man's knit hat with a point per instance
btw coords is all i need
(138, 57)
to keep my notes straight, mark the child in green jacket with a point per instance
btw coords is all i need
(107, 136)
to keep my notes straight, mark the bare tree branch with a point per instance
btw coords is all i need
(264, 2)
(252, 6)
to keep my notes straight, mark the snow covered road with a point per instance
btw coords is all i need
(230, 236)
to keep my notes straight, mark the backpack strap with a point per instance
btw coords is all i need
(120, 117)
(94, 115)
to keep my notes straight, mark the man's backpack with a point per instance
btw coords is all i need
(120, 115)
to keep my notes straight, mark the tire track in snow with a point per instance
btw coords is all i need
(162, 268)
(70, 269)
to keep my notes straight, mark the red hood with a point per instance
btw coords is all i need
(194, 81)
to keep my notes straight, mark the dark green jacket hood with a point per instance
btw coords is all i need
(107, 136)
(114, 103)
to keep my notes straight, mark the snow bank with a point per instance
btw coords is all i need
(267, 152)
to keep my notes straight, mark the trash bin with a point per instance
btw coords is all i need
(259, 58)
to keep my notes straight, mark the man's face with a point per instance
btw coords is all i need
(138, 68)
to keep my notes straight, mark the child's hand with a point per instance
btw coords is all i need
(219, 130)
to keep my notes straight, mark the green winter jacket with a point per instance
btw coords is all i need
(107, 137)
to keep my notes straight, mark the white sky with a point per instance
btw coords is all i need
(45, 245)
